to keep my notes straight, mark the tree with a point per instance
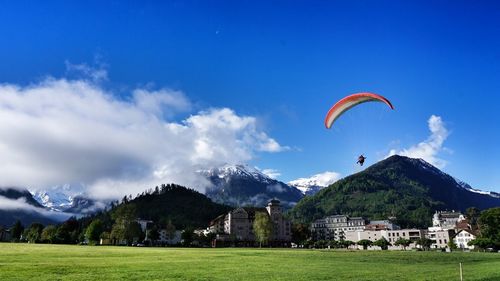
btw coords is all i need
(425, 243)
(187, 236)
(262, 227)
(482, 243)
(68, 231)
(345, 243)
(300, 233)
(133, 232)
(153, 233)
(402, 242)
(49, 234)
(94, 231)
(489, 226)
(365, 243)
(452, 245)
(170, 230)
(472, 215)
(382, 243)
(17, 230)
(125, 226)
(34, 232)
(331, 243)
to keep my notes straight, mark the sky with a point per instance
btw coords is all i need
(121, 96)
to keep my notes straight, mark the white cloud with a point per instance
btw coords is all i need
(272, 173)
(276, 188)
(321, 179)
(96, 74)
(430, 148)
(73, 131)
(21, 204)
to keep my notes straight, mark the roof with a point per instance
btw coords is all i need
(466, 230)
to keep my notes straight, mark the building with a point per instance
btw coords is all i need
(441, 238)
(236, 227)
(390, 235)
(463, 237)
(382, 225)
(411, 234)
(169, 238)
(335, 227)
(217, 225)
(446, 220)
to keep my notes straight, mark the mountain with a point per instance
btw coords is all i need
(18, 204)
(409, 190)
(180, 205)
(240, 185)
(67, 198)
(313, 184)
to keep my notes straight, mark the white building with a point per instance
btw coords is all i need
(169, 238)
(441, 238)
(463, 237)
(237, 225)
(336, 227)
(390, 235)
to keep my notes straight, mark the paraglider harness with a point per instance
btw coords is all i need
(361, 160)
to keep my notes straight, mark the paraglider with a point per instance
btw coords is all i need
(350, 101)
(347, 103)
(361, 160)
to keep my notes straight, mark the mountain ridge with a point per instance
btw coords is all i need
(406, 188)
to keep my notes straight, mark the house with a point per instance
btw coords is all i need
(463, 237)
(236, 227)
(390, 235)
(167, 238)
(335, 227)
(446, 220)
(382, 225)
(411, 234)
(441, 238)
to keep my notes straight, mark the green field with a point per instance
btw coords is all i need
(63, 262)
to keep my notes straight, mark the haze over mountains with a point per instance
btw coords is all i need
(405, 188)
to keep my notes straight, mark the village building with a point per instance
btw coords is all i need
(335, 227)
(382, 225)
(236, 227)
(463, 237)
(446, 220)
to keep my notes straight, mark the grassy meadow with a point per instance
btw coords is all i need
(68, 262)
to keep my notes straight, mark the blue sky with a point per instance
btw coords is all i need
(286, 63)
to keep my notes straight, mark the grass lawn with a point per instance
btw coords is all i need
(63, 262)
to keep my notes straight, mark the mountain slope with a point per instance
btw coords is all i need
(18, 204)
(181, 205)
(240, 185)
(405, 188)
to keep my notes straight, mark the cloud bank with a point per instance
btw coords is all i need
(21, 204)
(75, 131)
(321, 179)
(431, 147)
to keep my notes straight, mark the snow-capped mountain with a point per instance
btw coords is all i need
(67, 198)
(313, 184)
(471, 189)
(57, 198)
(243, 171)
(241, 185)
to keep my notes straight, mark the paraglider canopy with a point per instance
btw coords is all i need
(350, 101)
